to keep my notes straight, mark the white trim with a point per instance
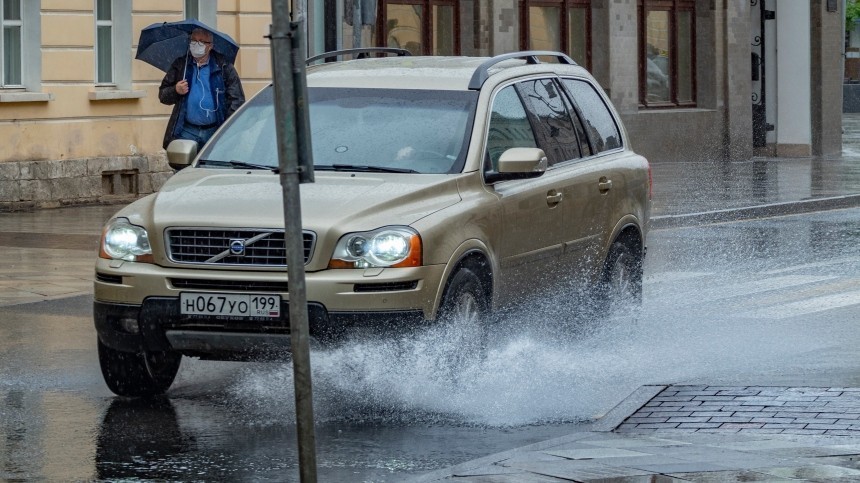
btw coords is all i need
(110, 95)
(24, 96)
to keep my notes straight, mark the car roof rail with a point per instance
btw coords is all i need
(531, 57)
(360, 53)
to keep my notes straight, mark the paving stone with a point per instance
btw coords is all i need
(813, 472)
(594, 453)
(831, 415)
(731, 419)
(741, 425)
(774, 420)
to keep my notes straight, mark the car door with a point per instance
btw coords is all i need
(531, 236)
(604, 191)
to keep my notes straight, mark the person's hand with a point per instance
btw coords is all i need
(182, 87)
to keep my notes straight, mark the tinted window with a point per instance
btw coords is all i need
(509, 126)
(553, 125)
(598, 120)
(426, 131)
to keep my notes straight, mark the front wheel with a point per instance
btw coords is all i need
(463, 316)
(138, 374)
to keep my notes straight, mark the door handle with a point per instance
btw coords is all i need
(604, 184)
(554, 197)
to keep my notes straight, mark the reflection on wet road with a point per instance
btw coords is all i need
(762, 302)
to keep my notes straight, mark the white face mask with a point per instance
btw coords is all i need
(197, 49)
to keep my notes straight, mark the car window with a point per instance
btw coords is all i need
(509, 127)
(421, 130)
(599, 122)
(553, 126)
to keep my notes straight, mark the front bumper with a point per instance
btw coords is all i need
(158, 325)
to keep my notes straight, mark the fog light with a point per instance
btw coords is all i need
(129, 325)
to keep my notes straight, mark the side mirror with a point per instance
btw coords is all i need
(180, 153)
(519, 163)
(523, 160)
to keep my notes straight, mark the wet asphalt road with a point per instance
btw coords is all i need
(761, 302)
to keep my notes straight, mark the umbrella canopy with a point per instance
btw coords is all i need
(162, 43)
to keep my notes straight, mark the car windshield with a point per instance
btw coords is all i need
(385, 130)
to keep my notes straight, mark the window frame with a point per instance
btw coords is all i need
(566, 6)
(427, 22)
(207, 11)
(673, 7)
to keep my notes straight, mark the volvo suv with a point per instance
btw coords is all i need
(445, 188)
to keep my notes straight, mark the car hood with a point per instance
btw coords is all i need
(254, 198)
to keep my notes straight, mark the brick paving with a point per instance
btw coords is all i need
(750, 409)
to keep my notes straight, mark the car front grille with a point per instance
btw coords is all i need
(232, 246)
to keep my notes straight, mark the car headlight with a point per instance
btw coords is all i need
(123, 241)
(385, 247)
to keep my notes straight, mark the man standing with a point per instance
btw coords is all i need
(203, 88)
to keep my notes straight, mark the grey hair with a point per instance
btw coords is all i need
(199, 30)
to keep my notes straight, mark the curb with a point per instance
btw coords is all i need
(753, 212)
(627, 407)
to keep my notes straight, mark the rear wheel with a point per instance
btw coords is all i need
(621, 281)
(138, 374)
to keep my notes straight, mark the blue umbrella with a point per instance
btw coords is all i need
(162, 43)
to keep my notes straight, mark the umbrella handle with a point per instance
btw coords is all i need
(185, 69)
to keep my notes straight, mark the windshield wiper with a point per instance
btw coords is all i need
(362, 168)
(238, 164)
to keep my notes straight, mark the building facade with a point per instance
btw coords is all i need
(695, 80)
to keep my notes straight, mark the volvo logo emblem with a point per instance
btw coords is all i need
(237, 247)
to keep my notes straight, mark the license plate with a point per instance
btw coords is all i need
(230, 305)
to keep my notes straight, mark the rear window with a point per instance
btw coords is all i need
(419, 130)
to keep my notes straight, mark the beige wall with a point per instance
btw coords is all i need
(72, 125)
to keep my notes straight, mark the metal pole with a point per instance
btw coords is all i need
(286, 119)
(356, 24)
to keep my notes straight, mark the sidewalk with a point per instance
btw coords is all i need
(769, 434)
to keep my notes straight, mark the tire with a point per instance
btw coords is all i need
(138, 374)
(464, 315)
(621, 281)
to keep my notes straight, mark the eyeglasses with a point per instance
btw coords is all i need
(200, 42)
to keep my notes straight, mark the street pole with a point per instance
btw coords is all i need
(356, 24)
(295, 165)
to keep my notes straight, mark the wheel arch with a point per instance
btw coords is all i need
(628, 231)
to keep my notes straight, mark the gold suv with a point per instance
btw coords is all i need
(445, 188)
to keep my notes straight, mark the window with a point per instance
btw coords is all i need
(113, 42)
(423, 27)
(558, 25)
(20, 51)
(11, 43)
(551, 119)
(104, 42)
(667, 34)
(509, 127)
(601, 126)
